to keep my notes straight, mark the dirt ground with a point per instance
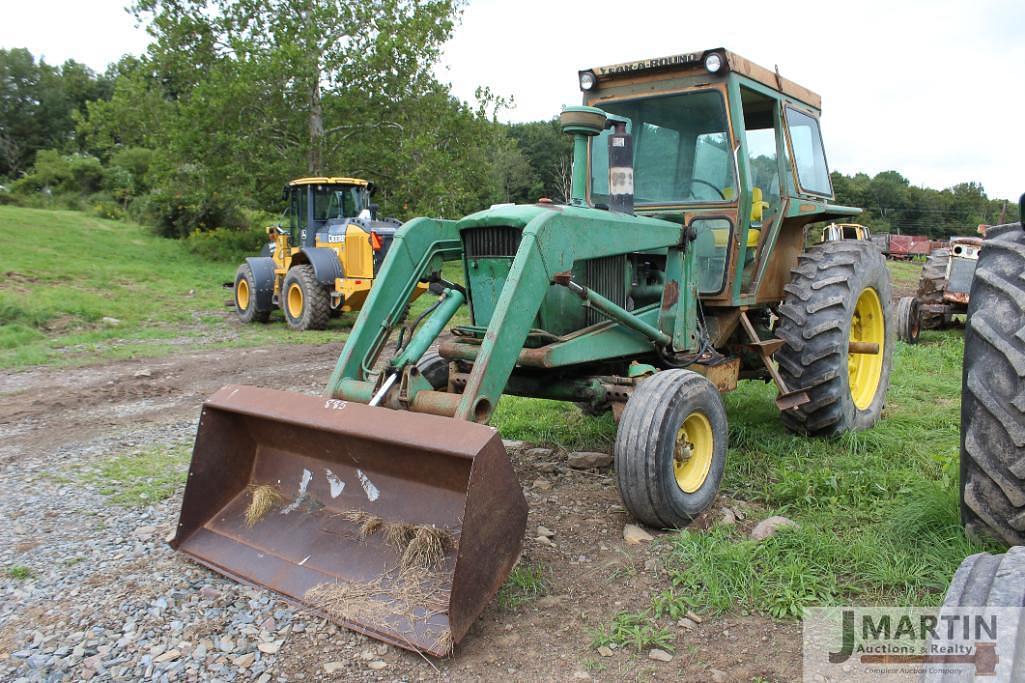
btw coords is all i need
(591, 573)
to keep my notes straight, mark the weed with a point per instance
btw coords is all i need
(637, 631)
(140, 479)
(20, 572)
(526, 582)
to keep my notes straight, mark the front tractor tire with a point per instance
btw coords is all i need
(993, 393)
(245, 296)
(670, 449)
(836, 306)
(306, 302)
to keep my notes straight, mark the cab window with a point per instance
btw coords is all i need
(809, 156)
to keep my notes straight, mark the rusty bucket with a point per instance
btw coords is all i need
(398, 525)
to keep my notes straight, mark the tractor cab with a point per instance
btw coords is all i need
(722, 145)
(318, 207)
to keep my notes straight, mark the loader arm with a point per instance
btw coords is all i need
(419, 247)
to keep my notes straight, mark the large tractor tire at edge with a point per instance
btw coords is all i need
(839, 292)
(993, 392)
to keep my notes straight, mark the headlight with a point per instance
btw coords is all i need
(587, 80)
(713, 62)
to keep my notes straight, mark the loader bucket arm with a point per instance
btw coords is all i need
(418, 247)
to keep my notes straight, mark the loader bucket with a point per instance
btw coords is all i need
(398, 525)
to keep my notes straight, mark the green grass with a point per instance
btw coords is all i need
(19, 572)
(637, 631)
(65, 271)
(526, 582)
(140, 479)
(904, 274)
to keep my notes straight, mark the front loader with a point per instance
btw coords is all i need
(676, 269)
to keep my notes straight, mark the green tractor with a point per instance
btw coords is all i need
(677, 269)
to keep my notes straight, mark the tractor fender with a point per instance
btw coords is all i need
(263, 277)
(325, 264)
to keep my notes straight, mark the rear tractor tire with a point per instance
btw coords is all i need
(245, 297)
(993, 393)
(670, 449)
(909, 325)
(838, 296)
(306, 302)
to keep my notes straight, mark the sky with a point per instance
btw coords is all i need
(930, 89)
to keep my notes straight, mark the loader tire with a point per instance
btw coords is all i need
(838, 293)
(245, 296)
(306, 302)
(986, 580)
(434, 369)
(931, 285)
(670, 449)
(908, 324)
(993, 393)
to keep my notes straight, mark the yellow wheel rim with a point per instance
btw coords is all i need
(242, 295)
(865, 370)
(295, 300)
(692, 457)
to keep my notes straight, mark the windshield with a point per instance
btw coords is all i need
(337, 202)
(681, 150)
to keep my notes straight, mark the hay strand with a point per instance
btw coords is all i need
(263, 499)
(426, 548)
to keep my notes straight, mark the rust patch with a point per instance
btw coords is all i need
(670, 295)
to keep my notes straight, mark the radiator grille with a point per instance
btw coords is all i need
(606, 276)
(491, 241)
(962, 270)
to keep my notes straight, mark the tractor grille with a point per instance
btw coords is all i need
(962, 270)
(606, 276)
(491, 241)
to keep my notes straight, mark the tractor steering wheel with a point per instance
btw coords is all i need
(705, 182)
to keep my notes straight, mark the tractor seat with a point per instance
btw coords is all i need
(758, 206)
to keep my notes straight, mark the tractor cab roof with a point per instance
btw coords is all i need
(716, 62)
(319, 180)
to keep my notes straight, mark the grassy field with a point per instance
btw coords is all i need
(77, 288)
(878, 510)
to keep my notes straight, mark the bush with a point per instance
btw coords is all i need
(226, 244)
(104, 206)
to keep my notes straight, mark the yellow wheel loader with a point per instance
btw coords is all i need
(324, 262)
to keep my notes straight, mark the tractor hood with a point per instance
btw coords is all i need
(519, 215)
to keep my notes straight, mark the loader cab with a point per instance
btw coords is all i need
(316, 204)
(726, 147)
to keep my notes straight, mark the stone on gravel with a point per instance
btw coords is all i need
(144, 532)
(605, 651)
(633, 534)
(718, 676)
(542, 485)
(333, 667)
(245, 661)
(693, 616)
(377, 664)
(539, 453)
(270, 648)
(545, 531)
(168, 656)
(544, 540)
(513, 445)
(145, 372)
(686, 623)
(660, 655)
(727, 517)
(586, 460)
(581, 675)
(209, 592)
(769, 527)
